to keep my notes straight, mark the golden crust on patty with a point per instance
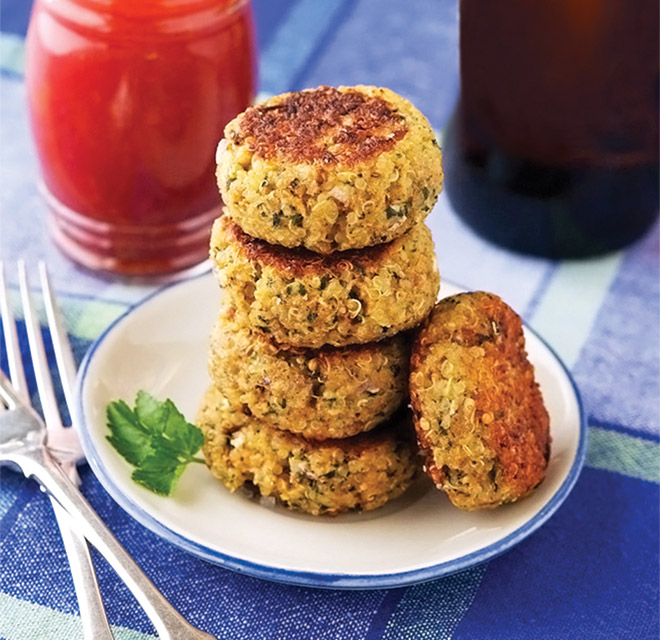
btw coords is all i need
(478, 411)
(327, 125)
(302, 299)
(314, 476)
(333, 392)
(329, 169)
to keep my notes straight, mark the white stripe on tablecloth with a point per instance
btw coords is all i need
(37, 622)
(569, 306)
(452, 597)
(623, 453)
(12, 53)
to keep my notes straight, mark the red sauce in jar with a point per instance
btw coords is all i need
(128, 100)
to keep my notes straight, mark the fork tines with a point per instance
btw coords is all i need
(63, 355)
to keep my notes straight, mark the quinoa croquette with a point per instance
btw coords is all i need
(317, 477)
(329, 169)
(334, 392)
(302, 299)
(478, 411)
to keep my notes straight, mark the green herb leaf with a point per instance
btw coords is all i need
(151, 412)
(159, 473)
(186, 437)
(156, 438)
(127, 434)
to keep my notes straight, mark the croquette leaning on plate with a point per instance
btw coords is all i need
(478, 411)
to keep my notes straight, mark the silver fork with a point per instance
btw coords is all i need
(62, 442)
(23, 438)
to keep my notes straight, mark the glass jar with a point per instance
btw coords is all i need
(128, 100)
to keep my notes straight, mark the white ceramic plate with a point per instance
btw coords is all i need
(161, 346)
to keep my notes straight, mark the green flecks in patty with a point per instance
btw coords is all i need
(328, 286)
(396, 211)
(263, 324)
(277, 219)
(297, 220)
(311, 316)
(442, 430)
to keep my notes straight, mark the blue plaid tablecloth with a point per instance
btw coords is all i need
(590, 572)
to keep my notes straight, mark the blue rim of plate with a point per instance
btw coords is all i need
(308, 578)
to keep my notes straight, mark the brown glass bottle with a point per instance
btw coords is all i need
(553, 147)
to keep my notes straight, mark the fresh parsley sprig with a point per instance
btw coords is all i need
(155, 438)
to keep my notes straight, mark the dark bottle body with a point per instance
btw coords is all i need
(553, 147)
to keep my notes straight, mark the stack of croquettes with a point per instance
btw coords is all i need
(325, 263)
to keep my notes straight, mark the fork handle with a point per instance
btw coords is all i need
(169, 623)
(92, 612)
